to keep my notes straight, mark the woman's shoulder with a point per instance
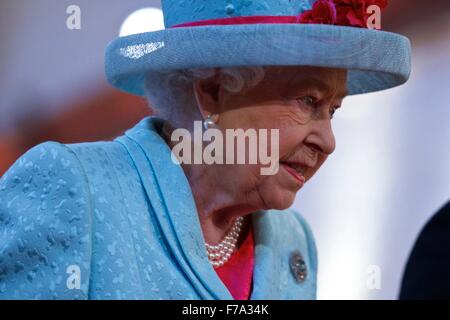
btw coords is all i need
(38, 167)
(67, 163)
(47, 208)
(45, 229)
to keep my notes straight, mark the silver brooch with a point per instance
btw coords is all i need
(298, 266)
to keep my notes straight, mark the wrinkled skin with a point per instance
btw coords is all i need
(223, 192)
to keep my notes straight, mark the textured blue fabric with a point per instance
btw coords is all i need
(124, 213)
(376, 60)
(182, 11)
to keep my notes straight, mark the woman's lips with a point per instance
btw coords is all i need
(300, 179)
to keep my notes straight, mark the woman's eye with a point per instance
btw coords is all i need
(333, 111)
(308, 100)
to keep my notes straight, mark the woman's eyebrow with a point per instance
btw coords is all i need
(321, 86)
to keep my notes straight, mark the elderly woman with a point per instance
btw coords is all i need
(123, 220)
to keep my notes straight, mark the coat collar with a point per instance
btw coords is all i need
(170, 195)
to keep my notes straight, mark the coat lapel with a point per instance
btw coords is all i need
(170, 195)
(172, 201)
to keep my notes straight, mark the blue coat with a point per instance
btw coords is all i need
(117, 220)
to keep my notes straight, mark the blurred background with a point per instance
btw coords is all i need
(390, 171)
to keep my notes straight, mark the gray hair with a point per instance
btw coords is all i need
(171, 94)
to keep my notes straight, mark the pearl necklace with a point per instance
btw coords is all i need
(219, 254)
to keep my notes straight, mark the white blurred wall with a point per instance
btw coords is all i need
(43, 64)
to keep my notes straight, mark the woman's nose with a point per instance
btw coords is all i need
(322, 136)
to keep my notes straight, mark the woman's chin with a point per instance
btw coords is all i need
(280, 200)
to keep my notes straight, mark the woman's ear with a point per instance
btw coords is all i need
(208, 93)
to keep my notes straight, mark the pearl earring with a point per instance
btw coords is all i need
(210, 121)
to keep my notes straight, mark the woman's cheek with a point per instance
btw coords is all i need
(288, 117)
(320, 161)
(293, 134)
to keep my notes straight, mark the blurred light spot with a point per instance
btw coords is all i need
(142, 20)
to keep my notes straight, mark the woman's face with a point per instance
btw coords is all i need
(299, 102)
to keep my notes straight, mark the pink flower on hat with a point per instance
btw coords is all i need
(340, 12)
(322, 12)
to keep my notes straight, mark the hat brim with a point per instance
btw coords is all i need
(376, 60)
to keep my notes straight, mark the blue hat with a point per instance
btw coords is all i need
(232, 33)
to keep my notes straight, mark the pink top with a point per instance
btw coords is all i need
(237, 273)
